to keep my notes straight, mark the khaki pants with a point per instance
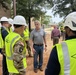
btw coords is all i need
(16, 74)
(21, 73)
(55, 40)
(28, 48)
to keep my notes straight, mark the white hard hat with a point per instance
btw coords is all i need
(19, 20)
(70, 21)
(4, 19)
(10, 21)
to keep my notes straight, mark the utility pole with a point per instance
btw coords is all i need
(14, 7)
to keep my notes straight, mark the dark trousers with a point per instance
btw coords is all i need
(39, 52)
(4, 66)
(55, 40)
(0, 50)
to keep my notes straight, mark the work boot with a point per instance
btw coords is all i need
(30, 55)
(35, 70)
(40, 68)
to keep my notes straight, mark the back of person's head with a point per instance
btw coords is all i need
(70, 22)
(19, 21)
(17, 26)
(55, 27)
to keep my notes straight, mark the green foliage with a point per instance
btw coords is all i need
(61, 24)
(46, 19)
(30, 8)
(63, 7)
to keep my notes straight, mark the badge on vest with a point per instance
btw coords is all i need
(20, 49)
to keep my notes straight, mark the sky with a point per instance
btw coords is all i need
(56, 18)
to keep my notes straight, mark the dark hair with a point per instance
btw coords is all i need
(74, 32)
(71, 30)
(3, 22)
(17, 26)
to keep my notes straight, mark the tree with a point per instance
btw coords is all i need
(30, 8)
(61, 23)
(46, 19)
(63, 7)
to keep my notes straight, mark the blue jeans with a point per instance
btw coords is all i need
(39, 52)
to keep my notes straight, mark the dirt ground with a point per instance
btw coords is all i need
(29, 70)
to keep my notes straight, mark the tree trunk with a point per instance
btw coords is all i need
(72, 7)
(29, 24)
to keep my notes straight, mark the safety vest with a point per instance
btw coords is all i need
(67, 57)
(10, 30)
(26, 34)
(10, 41)
(62, 29)
(1, 39)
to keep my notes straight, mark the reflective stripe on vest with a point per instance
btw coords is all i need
(66, 53)
(26, 35)
(1, 39)
(11, 48)
(10, 41)
(66, 59)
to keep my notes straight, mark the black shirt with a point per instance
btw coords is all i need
(53, 66)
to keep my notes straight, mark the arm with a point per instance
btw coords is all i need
(31, 42)
(18, 57)
(4, 34)
(53, 66)
(45, 41)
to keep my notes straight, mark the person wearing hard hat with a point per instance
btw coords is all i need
(3, 33)
(62, 60)
(26, 37)
(15, 48)
(11, 28)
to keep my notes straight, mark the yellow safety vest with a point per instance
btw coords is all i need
(10, 41)
(62, 29)
(26, 34)
(1, 39)
(10, 30)
(67, 57)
